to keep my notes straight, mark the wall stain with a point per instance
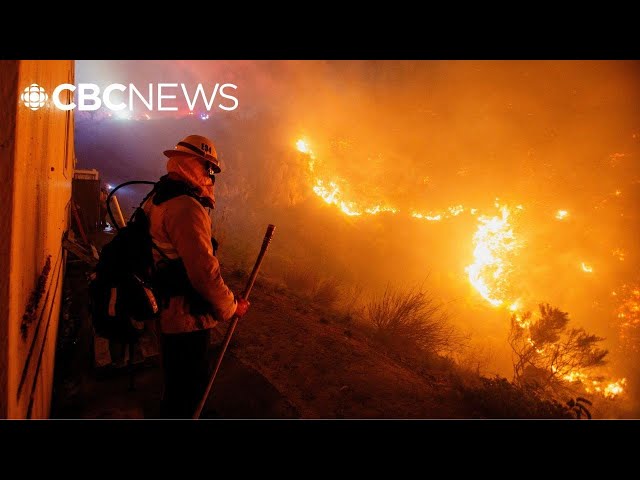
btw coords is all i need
(35, 297)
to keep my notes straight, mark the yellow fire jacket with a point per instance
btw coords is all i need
(181, 228)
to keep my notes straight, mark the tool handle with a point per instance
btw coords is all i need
(234, 321)
(254, 273)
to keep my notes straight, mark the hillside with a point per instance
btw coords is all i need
(289, 358)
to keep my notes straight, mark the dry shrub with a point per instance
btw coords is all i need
(307, 282)
(302, 279)
(476, 358)
(499, 398)
(326, 292)
(413, 318)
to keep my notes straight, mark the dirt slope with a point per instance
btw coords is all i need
(288, 359)
(327, 370)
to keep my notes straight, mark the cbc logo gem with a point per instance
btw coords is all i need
(34, 96)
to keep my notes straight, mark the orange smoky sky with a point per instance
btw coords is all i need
(417, 137)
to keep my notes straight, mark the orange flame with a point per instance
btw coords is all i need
(332, 191)
(495, 246)
(332, 195)
(608, 388)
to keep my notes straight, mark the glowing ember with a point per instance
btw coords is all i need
(619, 253)
(495, 245)
(561, 214)
(586, 268)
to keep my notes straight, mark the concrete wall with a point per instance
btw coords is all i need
(36, 168)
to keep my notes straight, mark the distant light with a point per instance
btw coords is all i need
(561, 214)
(515, 306)
(618, 193)
(147, 116)
(122, 115)
(587, 268)
(109, 186)
(204, 116)
(302, 146)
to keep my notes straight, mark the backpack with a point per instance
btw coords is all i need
(127, 287)
(120, 291)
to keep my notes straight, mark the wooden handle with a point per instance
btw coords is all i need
(234, 322)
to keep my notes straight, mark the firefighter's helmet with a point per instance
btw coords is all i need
(199, 146)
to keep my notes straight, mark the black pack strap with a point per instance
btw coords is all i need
(132, 182)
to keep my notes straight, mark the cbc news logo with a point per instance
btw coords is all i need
(34, 96)
(161, 96)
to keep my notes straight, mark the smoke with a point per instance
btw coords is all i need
(416, 135)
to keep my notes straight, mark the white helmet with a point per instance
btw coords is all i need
(199, 146)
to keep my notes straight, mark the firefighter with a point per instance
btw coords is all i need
(193, 295)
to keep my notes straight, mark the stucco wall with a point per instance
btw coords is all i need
(37, 162)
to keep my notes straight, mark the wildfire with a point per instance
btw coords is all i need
(575, 377)
(453, 211)
(456, 210)
(333, 191)
(495, 248)
(427, 216)
(379, 209)
(614, 389)
(495, 245)
(598, 385)
(331, 194)
(606, 388)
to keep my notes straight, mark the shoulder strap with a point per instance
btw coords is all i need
(133, 182)
(168, 188)
(139, 208)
